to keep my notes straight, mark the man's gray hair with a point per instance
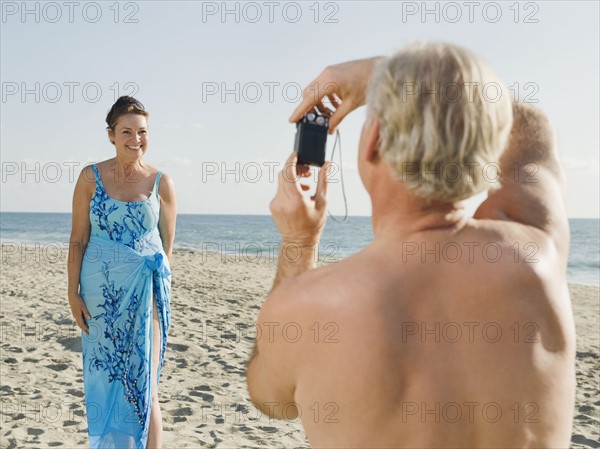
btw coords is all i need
(444, 117)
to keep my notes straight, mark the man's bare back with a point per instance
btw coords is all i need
(406, 351)
(447, 330)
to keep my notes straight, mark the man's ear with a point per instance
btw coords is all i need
(372, 143)
(111, 136)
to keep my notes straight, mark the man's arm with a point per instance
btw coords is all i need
(532, 181)
(300, 220)
(345, 85)
(271, 373)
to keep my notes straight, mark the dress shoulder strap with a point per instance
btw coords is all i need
(97, 174)
(157, 182)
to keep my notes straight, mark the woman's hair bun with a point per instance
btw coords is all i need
(124, 105)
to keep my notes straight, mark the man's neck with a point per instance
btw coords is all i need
(402, 215)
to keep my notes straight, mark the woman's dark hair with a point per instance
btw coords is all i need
(124, 105)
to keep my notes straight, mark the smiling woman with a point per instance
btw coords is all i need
(120, 283)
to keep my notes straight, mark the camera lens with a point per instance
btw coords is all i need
(310, 117)
(320, 120)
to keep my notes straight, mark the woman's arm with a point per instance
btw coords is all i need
(168, 214)
(80, 235)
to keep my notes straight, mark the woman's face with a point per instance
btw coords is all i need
(130, 136)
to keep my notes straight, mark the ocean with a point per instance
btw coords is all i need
(251, 236)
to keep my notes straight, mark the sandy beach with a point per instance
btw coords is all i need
(202, 390)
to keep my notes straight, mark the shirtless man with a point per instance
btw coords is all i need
(447, 330)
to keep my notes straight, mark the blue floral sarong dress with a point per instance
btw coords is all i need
(123, 266)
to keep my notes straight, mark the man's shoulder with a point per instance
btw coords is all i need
(329, 285)
(517, 244)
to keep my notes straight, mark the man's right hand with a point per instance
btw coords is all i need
(345, 85)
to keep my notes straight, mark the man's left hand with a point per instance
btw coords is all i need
(300, 219)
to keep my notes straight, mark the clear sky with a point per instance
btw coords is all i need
(220, 81)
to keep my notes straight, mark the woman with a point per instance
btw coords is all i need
(124, 215)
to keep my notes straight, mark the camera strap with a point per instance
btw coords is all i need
(335, 144)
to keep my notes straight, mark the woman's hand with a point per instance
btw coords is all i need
(80, 312)
(345, 86)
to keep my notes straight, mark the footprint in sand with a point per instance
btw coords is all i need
(182, 411)
(177, 347)
(181, 363)
(580, 439)
(215, 437)
(70, 344)
(74, 392)
(14, 349)
(58, 367)
(205, 397)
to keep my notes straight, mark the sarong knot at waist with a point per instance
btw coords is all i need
(156, 262)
